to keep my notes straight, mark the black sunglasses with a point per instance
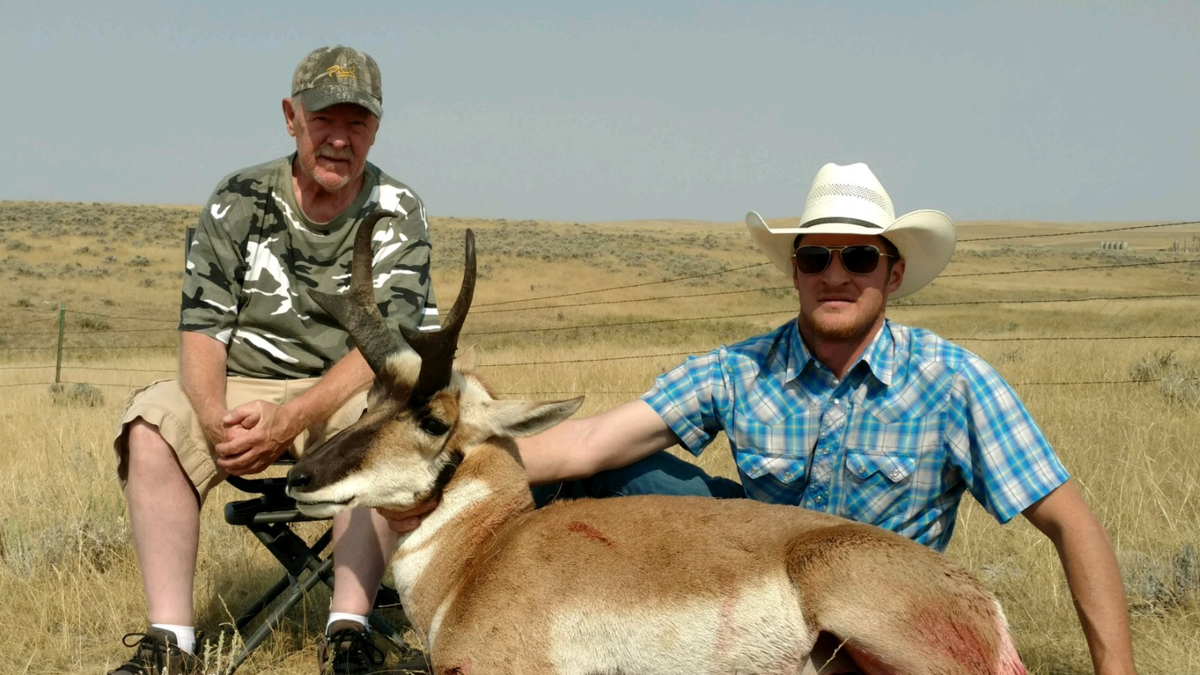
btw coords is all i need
(857, 259)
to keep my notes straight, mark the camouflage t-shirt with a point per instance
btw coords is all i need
(255, 255)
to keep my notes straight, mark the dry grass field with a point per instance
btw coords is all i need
(600, 309)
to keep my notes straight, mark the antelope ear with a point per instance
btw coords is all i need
(466, 360)
(526, 418)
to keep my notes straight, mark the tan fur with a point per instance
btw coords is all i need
(619, 555)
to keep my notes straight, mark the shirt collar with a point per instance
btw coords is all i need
(880, 355)
(798, 355)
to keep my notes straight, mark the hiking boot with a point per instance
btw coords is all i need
(347, 650)
(157, 652)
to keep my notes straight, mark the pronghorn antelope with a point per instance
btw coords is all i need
(625, 585)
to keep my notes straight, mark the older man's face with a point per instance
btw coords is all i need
(332, 143)
(837, 305)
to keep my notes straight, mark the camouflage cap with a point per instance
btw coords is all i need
(332, 75)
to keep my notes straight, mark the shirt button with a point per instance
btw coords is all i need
(895, 475)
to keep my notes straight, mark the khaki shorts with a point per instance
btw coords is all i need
(164, 405)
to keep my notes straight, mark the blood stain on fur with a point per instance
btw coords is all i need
(589, 532)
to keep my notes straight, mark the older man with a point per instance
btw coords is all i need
(264, 370)
(844, 411)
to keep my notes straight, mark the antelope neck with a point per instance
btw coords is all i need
(488, 492)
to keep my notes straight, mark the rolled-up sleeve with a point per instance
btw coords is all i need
(690, 399)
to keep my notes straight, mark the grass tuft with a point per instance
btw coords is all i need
(79, 394)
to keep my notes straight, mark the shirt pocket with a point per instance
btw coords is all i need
(876, 487)
(883, 481)
(756, 465)
(894, 468)
(772, 450)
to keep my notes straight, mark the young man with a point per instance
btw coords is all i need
(846, 412)
(264, 370)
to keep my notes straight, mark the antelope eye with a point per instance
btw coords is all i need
(433, 426)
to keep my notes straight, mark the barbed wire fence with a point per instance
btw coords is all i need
(49, 333)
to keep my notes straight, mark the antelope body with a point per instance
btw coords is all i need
(631, 585)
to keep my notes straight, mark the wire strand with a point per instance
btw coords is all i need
(119, 318)
(32, 321)
(769, 289)
(621, 288)
(1095, 298)
(1086, 268)
(1068, 234)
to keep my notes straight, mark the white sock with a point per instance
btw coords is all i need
(343, 616)
(185, 635)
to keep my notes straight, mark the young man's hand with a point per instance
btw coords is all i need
(403, 522)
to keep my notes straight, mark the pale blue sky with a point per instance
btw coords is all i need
(1069, 111)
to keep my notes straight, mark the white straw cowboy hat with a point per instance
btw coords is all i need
(850, 200)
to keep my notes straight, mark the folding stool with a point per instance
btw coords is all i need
(269, 516)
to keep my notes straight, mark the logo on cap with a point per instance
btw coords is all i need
(341, 71)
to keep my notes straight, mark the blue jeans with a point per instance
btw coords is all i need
(659, 474)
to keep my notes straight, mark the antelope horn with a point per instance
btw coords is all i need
(436, 348)
(356, 310)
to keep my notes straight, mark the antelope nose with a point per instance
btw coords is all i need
(298, 479)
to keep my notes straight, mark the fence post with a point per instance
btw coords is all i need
(62, 320)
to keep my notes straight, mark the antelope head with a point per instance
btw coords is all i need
(425, 412)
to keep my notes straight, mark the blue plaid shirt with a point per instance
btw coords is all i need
(916, 421)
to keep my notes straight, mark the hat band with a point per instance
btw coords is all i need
(844, 221)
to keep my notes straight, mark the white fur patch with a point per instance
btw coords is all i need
(319, 510)
(419, 547)
(759, 629)
(393, 482)
(466, 494)
(473, 409)
(436, 622)
(406, 363)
